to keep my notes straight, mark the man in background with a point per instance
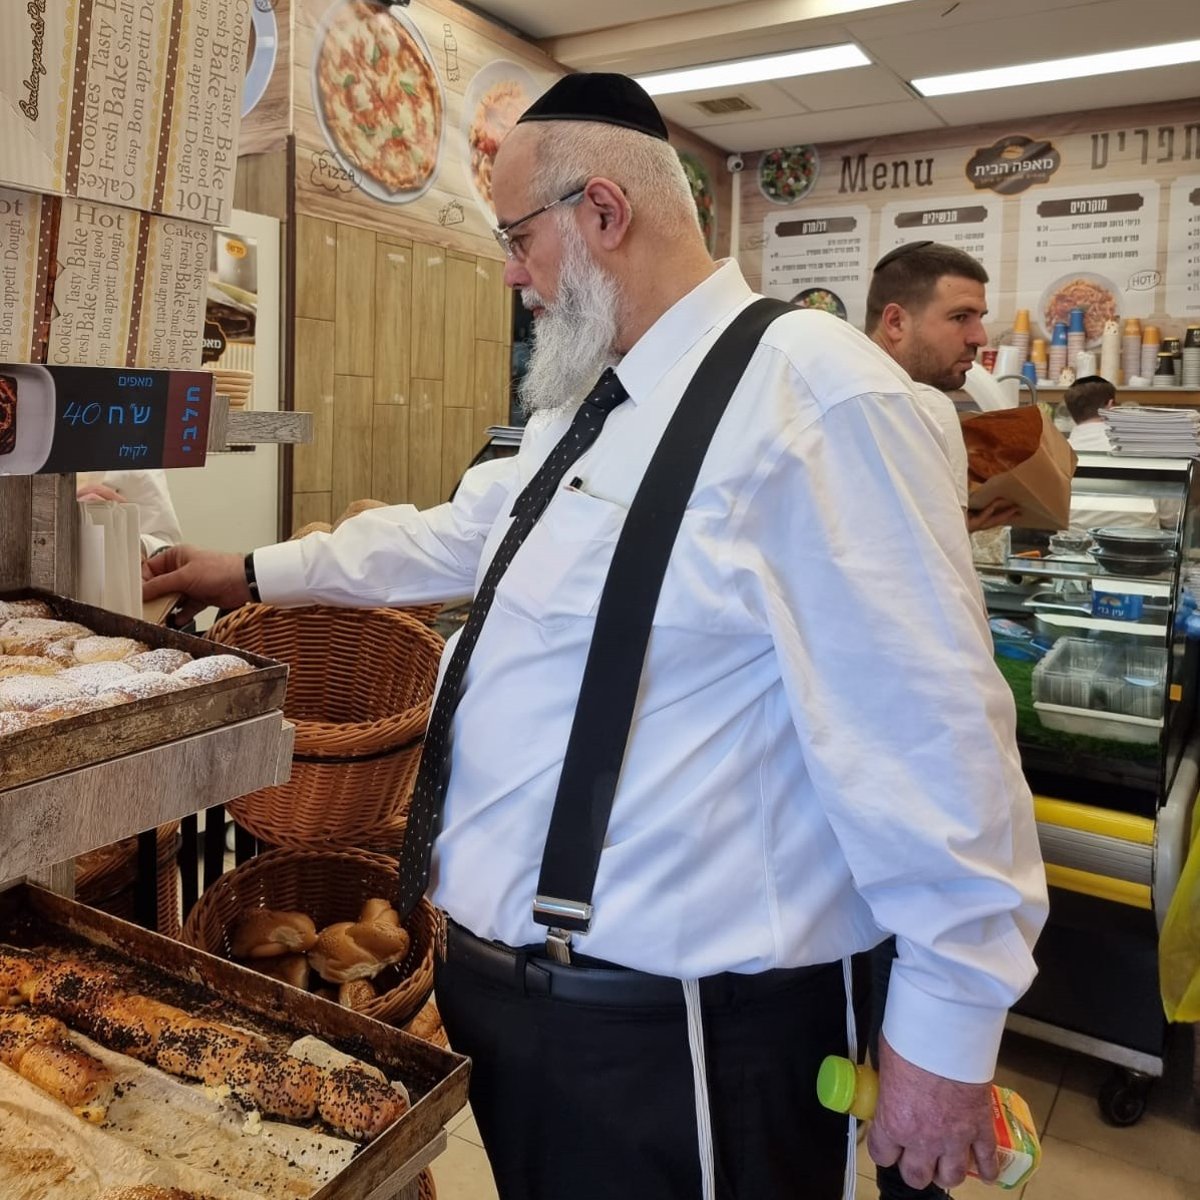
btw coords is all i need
(925, 309)
(1085, 399)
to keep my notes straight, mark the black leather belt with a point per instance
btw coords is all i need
(590, 981)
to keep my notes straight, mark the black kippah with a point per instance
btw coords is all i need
(604, 98)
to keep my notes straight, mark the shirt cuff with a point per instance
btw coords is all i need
(280, 573)
(946, 1037)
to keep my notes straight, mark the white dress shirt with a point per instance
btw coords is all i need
(941, 408)
(823, 750)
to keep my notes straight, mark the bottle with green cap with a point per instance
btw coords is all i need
(853, 1088)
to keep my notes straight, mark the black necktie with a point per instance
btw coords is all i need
(429, 792)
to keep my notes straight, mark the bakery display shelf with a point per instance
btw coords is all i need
(436, 1079)
(89, 738)
(57, 818)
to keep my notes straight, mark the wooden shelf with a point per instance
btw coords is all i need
(57, 818)
(1177, 397)
(235, 427)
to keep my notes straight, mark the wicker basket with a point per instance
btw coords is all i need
(359, 688)
(426, 1189)
(106, 878)
(329, 885)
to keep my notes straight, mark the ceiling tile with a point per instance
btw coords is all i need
(845, 89)
(580, 16)
(771, 101)
(872, 120)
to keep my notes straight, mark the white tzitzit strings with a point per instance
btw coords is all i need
(848, 1191)
(695, 1020)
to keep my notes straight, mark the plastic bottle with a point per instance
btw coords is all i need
(848, 1087)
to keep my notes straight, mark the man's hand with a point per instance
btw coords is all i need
(999, 512)
(204, 577)
(98, 491)
(932, 1127)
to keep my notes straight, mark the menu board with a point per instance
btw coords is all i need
(972, 223)
(1183, 261)
(1093, 247)
(820, 258)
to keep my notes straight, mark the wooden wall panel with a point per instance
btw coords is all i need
(403, 376)
(458, 445)
(389, 450)
(429, 311)
(316, 268)
(353, 429)
(393, 321)
(355, 315)
(493, 319)
(459, 371)
(312, 468)
(425, 443)
(308, 507)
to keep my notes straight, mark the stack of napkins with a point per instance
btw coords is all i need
(1153, 432)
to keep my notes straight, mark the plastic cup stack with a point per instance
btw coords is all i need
(1131, 348)
(1191, 357)
(1076, 335)
(1085, 364)
(1057, 358)
(1110, 352)
(1037, 356)
(1020, 333)
(1151, 345)
(1164, 373)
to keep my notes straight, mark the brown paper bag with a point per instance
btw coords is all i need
(1016, 454)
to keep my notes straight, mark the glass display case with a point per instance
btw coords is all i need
(1095, 629)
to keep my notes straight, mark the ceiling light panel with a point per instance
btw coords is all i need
(1082, 67)
(754, 70)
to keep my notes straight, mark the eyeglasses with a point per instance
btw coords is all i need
(899, 252)
(503, 234)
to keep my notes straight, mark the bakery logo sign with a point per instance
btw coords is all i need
(37, 67)
(1012, 164)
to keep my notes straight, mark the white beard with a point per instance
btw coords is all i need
(574, 338)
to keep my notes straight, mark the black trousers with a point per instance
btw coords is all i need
(585, 1100)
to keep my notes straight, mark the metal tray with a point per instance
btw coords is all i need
(108, 733)
(436, 1079)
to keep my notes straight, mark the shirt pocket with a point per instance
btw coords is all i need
(560, 569)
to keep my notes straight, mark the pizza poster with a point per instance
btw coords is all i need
(55, 420)
(1098, 209)
(820, 259)
(399, 111)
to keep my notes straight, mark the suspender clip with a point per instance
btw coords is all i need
(562, 918)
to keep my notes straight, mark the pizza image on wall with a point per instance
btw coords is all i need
(379, 98)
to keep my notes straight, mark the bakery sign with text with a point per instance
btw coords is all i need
(1012, 164)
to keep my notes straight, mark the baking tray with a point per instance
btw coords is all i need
(107, 733)
(436, 1079)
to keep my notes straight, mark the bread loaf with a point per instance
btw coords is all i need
(287, 968)
(357, 950)
(27, 664)
(356, 994)
(35, 635)
(211, 668)
(357, 1104)
(28, 693)
(274, 1083)
(164, 660)
(266, 933)
(378, 909)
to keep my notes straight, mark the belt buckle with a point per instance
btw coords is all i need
(558, 946)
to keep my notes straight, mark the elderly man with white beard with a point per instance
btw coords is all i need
(724, 713)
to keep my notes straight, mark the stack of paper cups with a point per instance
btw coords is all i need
(1191, 357)
(1131, 349)
(1008, 362)
(1076, 335)
(1164, 372)
(1110, 352)
(1020, 334)
(1037, 356)
(1058, 352)
(1085, 364)
(1151, 344)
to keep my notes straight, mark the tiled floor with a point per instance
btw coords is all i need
(1083, 1158)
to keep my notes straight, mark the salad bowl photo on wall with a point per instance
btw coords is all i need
(788, 173)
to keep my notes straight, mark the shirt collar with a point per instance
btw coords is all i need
(707, 305)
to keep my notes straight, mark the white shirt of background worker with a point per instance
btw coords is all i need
(148, 490)
(1085, 399)
(925, 309)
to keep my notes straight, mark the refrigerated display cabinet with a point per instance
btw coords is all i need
(1096, 630)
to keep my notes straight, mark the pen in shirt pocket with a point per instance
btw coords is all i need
(576, 484)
